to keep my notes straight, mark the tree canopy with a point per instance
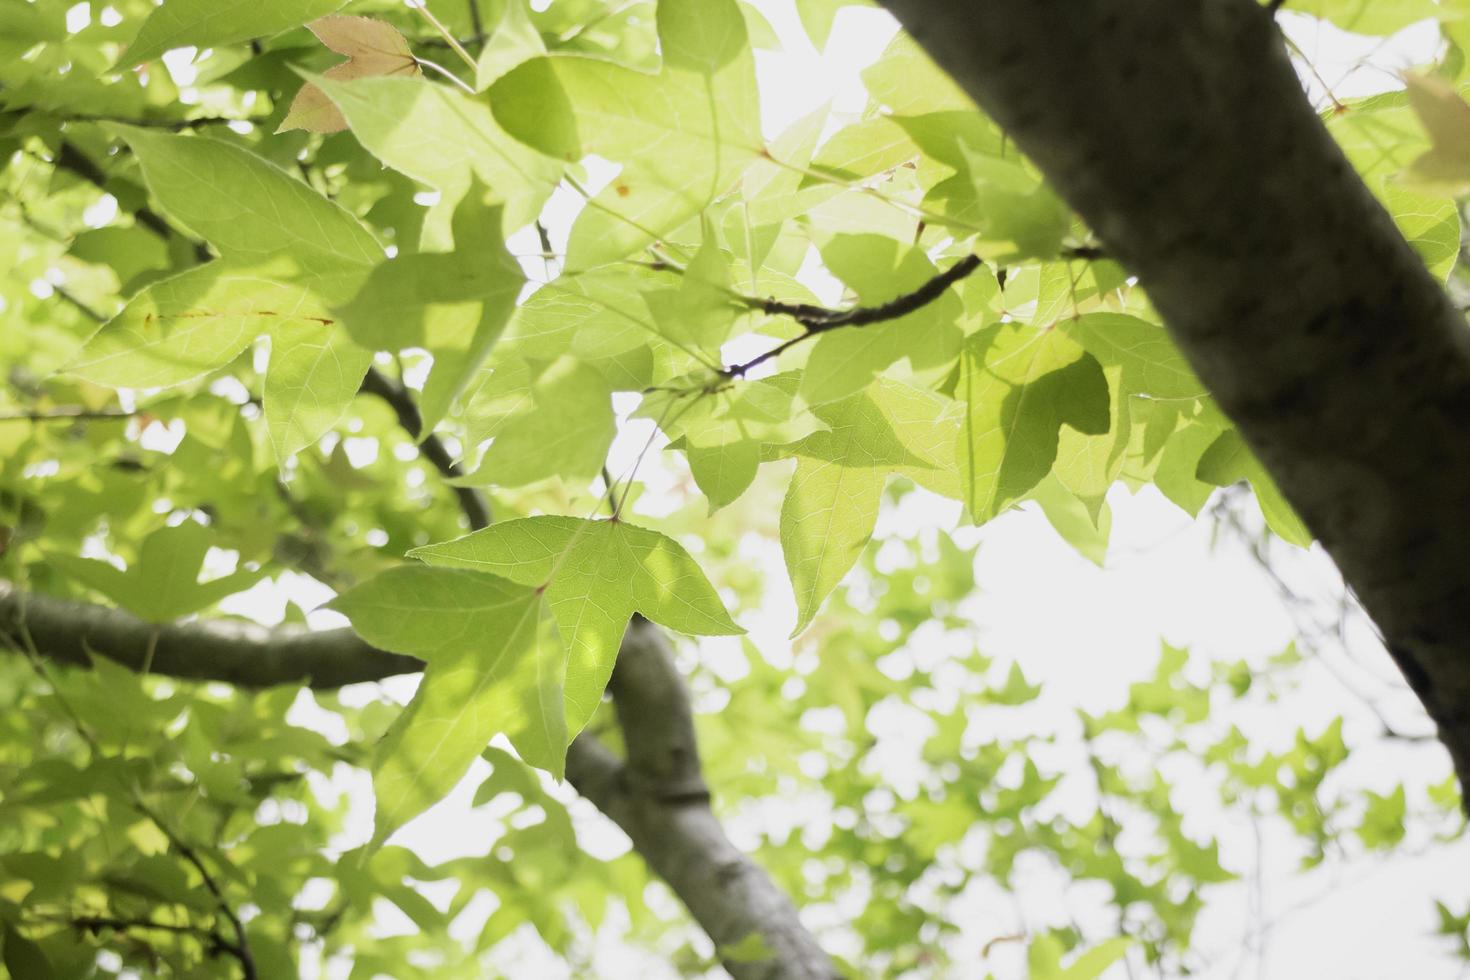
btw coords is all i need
(506, 346)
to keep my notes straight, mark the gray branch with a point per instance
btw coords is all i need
(657, 796)
(660, 800)
(1180, 132)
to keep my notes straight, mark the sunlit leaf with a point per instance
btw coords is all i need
(497, 669)
(373, 49)
(595, 574)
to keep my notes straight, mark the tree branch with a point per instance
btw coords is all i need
(67, 415)
(1179, 130)
(818, 319)
(238, 652)
(74, 161)
(471, 502)
(657, 796)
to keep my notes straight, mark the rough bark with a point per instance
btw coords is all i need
(657, 796)
(1179, 130)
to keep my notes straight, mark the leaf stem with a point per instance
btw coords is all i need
(454, 45)
(426, 63)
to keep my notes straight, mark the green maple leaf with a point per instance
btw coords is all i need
(453, 140)
(212, 23)
(596, 315)
(697, 314)
(455, 304)
(1148, 379)
(907, 81)
(546, 419)
(1081, 524)
(163, 584)
(682, 136)
(1022, 385)
(1229, 460)
(513, 39)
(832, 503)
(880, 269)
(722, 432)
(596, 575)
(287, 255)
(1151, 365)
(993, 191)
(494, 664)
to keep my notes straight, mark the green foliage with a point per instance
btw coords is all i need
(164, 583)
(497, 670)
(594, 575)
(203, 24)
(587, 243)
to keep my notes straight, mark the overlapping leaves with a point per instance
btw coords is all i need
(288, 256)
(682, 136)
(595, 575)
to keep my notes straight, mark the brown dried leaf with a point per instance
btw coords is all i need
(373, 48)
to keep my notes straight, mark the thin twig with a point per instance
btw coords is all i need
(66, 415)
(71, 159)
(173, 125)
(471, 502)
(477, 23)
(96, 923)
(454, 45)
(240, 949)
(818, 320)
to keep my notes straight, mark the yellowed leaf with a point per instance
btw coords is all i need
(373, 48)
(1446, 117)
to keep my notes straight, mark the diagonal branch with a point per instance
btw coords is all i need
(1179, 130)
(73, 160)
(471, 502)
(659, 798)
(818, 320)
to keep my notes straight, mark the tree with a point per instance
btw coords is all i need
(375, 324)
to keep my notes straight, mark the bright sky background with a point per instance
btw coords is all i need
(1086, 633)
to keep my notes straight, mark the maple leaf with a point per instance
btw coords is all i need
(1446, 118)
(373, 49)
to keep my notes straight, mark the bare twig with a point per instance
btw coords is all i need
(96, 924)
(471, 501)
(240, 948)
(73, 160)
(819, 320)
(173, 125)
(477, 23)
(66, 415)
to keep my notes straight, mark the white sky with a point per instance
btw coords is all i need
(1085, 633)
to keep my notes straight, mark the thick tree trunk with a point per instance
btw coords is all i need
(1179, 130)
